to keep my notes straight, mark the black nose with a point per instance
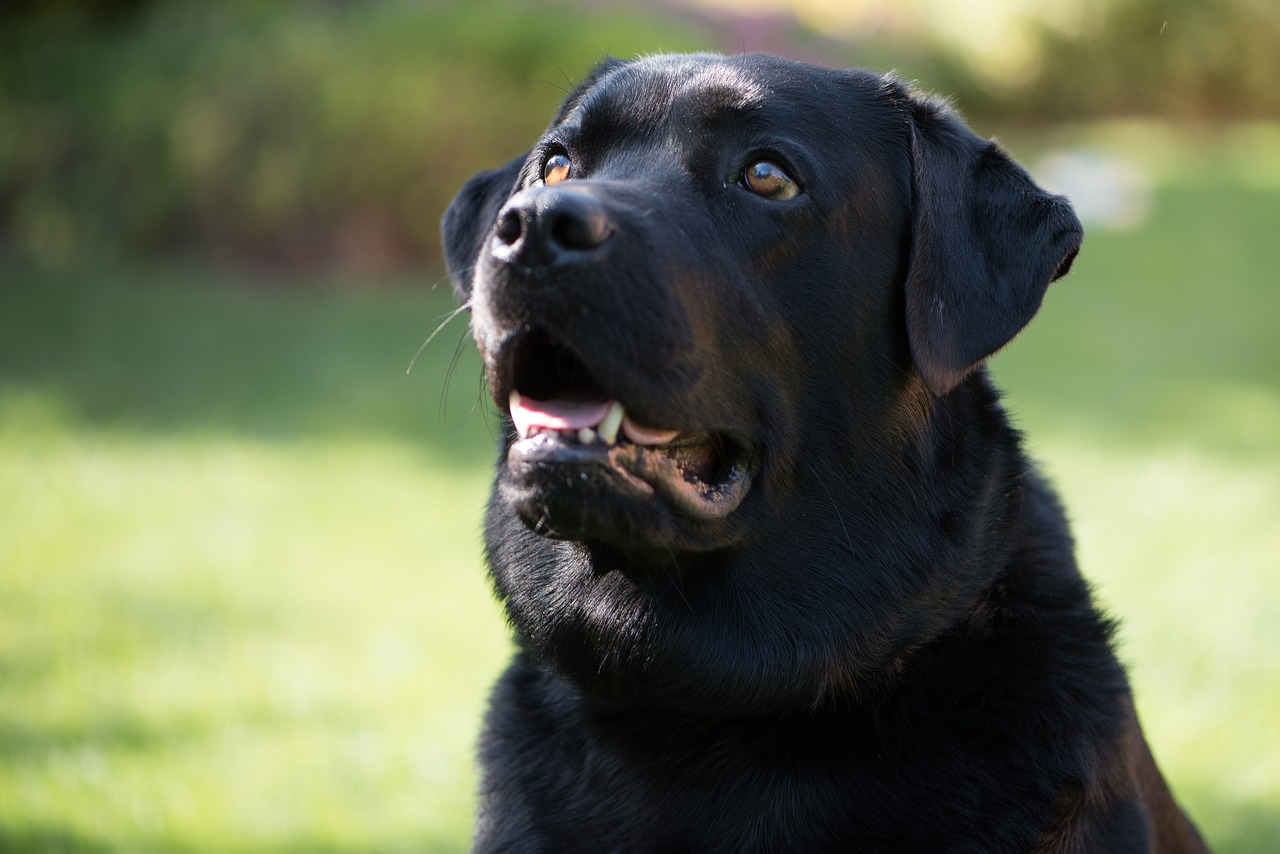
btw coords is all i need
(551, 225)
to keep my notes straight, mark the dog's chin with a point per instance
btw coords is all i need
(679, 495)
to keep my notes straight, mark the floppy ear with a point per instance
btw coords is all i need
(470, 217)
(987, 242)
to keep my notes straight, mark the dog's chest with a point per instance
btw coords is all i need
(615, 783)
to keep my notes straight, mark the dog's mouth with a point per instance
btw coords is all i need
(570, 432)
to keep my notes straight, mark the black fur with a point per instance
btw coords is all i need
(886, 645)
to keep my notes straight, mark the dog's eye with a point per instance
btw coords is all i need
(770, 181)
(556, 169)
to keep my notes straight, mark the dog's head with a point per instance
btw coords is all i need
(720, 302)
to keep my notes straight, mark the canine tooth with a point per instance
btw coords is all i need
(608, 428)
(513, 406)
(586, 435)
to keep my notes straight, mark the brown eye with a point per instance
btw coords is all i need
(770, 181)
(556, 169)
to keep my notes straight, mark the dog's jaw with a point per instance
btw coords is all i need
(626, 460)
(575, 464)
(672, 473)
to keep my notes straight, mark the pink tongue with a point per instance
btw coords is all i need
(528, 414)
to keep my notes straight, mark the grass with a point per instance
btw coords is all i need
(241, 600)
(241, 605)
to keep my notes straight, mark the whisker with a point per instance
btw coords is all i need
(568, 78)
(674, 576)
(818, 472)
(448, 376)
(555, 86)
(445, 277)
(488, 422)
(466, 306)
(481, 395)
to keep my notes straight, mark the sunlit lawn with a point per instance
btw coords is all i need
(240, 600)
(241, 603)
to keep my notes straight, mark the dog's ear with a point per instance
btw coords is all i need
(986, 244)
(469, 218)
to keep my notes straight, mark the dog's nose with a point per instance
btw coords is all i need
(550, 225)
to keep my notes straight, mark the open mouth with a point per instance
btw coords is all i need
(564, 417)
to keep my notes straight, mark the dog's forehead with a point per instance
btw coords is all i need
(659, 84)
(684, 91)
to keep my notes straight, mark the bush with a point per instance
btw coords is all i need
(331, 134)
(303, 134)
(1190, 60)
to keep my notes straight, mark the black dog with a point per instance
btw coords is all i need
(781, 576)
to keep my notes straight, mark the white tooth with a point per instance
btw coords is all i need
(513, 406)
(609, 425)
(586, 435)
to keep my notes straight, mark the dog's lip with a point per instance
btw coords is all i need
(643, 472)
(701, 474)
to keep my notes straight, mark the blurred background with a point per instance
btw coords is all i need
(242, 606)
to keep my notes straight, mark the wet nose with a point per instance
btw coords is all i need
(544, 226)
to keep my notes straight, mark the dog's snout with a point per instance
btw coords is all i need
(544, 225)
(578, 222)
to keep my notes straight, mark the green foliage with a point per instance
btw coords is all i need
(1190, 59)
(287, 133)
(332, 135)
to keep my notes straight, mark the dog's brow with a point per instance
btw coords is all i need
(718, 91)
(720, 102)
(648, 98)
(726, 88)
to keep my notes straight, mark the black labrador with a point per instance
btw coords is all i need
(781, 575)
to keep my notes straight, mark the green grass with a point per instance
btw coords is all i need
(241, 600)
(241, 605)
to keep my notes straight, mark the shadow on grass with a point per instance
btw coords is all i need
(178, 353)
(48, 840)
